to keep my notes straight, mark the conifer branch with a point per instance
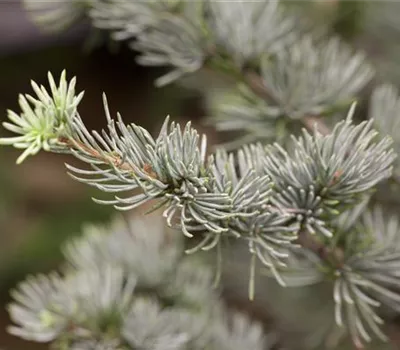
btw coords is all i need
(295, 203)
(211, 197)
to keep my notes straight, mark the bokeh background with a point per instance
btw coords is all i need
(40, 206)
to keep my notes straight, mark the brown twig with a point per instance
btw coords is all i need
(313, 122)
(334, 256)
(113, 159)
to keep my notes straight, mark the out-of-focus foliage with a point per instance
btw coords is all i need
(108, 298)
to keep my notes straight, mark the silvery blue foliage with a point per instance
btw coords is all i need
(247, 30)
(267, 229)
(173, 33)
(48, 307)
(303, 79)
(384, 109)
(240, 335)
(132, 248)
(309, 78)
(369, 276)
(167, 33)
(188, 284)
(127, 19)
(262, 195)
(241, 110)
(366, 278)
(381, 27)
(112, 306)
(204, 194)
(326, 172)
(95, 345)
(55, 15)
(149, 326)
(172, 166)
(174, 42)
(36, 315)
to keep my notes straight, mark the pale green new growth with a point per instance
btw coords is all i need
(43, 118)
